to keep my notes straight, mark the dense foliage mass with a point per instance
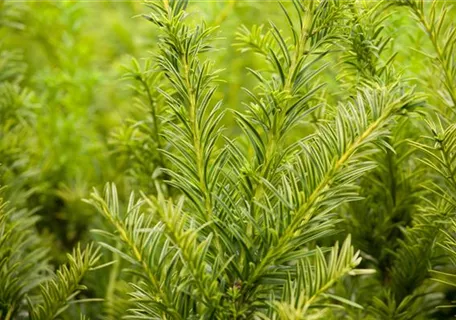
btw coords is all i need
(260, 160)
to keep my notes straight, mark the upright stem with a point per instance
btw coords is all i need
(112, 279)
(440, 56)
(274, 134)
(10, 312)
(154, 119)
(196, 140)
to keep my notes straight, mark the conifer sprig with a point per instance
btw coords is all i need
(57, 293)
(195, 133)
(442, 34)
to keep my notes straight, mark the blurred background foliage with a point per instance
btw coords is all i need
(73, 120)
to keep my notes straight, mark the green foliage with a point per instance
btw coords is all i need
(56, 293)
(23, 258)
(268, 160)
(25, 267)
